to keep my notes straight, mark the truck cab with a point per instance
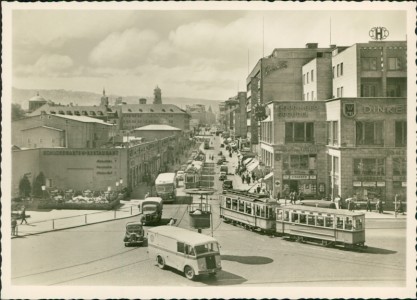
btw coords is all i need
(150, 210)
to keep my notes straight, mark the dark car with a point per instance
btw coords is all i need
(221, 145)
(227, 184)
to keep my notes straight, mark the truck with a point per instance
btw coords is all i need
(224, 168)
(165, 186)
(189, 252)
(150, 210)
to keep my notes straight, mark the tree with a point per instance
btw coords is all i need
(37, 185)
(24, 187)
(17, 112)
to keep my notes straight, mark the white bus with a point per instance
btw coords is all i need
(165, 186)
(187, 251)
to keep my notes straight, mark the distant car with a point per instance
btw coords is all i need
(220, 153)
(180, 175)
(221, 145)
(227, 184)
(223, 176)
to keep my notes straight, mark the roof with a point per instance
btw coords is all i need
(183, 235)
(323, 210)
(157, 127)
(46, 127)
(37, 98)
(151, 108)
(84, 119)
(165, 178)
(92, 111)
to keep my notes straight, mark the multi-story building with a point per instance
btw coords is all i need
(61, 131)
(199, 114)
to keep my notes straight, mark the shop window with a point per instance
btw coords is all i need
(299, 131)
(369, 63)
(234, 204)
(370, 133)
(394, 63)
(369, 166)
(400, 134)
(399, 165)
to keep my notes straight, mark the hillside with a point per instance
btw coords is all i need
(64, 97)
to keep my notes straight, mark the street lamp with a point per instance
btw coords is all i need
(117, 185)
(43, 191)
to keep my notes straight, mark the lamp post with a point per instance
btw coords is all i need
(108, 190)
(117, 186)
(43, 191)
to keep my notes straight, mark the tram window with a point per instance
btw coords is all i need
(295, 218)
(248, 208)
(357, 224)
(279, 214)
(348, 223)
(339, 222)
(286, 216)
(303, 219)
(310, 220)
(234, 204)
(241, 206)
(262, 212)
(320, 221)
(228, 203)
(329, 222)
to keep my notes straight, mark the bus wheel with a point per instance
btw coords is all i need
(160, 261)
(189, 272)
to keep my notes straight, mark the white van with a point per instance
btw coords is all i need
(187, 251)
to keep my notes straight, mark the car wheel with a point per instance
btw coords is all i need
(160, 261)
(126, 244)
(189, 272)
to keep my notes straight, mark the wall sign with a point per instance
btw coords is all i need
(349, 110)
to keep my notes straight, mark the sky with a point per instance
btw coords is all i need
(187, 53)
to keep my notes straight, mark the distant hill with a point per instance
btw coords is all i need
(64, 97)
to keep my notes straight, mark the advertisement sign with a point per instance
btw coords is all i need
(357, 183)
(369, 184)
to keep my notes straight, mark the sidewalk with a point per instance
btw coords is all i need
(53, 220)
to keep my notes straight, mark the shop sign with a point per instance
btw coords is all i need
(357, 183)
(369, 184)
(299, 177)
(404, 184)
(286, 177)
(387, 109)
(313, 177)
(380, 183)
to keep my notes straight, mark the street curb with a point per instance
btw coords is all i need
(60, 229)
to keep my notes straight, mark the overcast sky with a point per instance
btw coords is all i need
(201, 54)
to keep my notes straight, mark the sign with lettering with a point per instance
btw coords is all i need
(357, 183)
(349, 109)
(380, 183)
(385, 109)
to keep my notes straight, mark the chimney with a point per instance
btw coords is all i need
(333, 46)
(142, 101)
(312, 45)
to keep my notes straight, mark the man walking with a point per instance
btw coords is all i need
(23, 215)
(14, 225)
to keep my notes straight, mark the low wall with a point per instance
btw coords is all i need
(82, 206)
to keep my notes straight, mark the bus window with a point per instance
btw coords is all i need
(348, 223)
(241, 206)
(310, 220)
(303, 219)
(279, 214)
(258, 210)
(248, 208)
(180, 247)
(320, 221)
(329, 222)
(228, 203)
(286, 216)
(339, 222)
(234, 204)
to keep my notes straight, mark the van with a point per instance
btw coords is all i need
(224, 168)
(187, 251)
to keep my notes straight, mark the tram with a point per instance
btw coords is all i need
(329, 227)
(253, 211)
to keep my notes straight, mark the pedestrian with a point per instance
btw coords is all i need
(248, 179)
(368, 204)
(14, 226)
(278, 195)
(301, 195)
(243, 178)
(400, 207)
(380, 208)
(253, 176)
(295, 197)
(258, 189)
(23, 215)
(292, 197)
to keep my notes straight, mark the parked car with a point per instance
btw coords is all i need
(227, 184)
(223, 176)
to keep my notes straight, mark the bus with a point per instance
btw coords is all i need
(187, 251)
(165, 186)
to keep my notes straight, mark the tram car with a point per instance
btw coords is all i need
(330, 227)
(253, 211)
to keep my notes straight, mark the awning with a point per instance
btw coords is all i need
(248, 160)
(252, 165)
(269, 175)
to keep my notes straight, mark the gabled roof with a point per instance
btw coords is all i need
(151, 108)
(92, 111)
(157, 127)
(84, 119)
(46, 127)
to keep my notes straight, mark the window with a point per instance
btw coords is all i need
(335, 132)
(311, 220)
(368, 90)
(339, 222)
(399, 166)
(312, 75)
(304, 78)
(320, 221)
(241, 206)
(368, 63)
(292, 162)
(180, 247)
(307, 97)
(394, 63)
(234, 204)
(299, 132)
(329, 222)
(370, 133)
(303, 219)
(312, 93)
(341, 91)
(393, 90)
(338, 92)
(338, 70)
(333, 71)
(248, 208)
(369, 166)
(341, 69)
(308, 76)
(400, 134)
